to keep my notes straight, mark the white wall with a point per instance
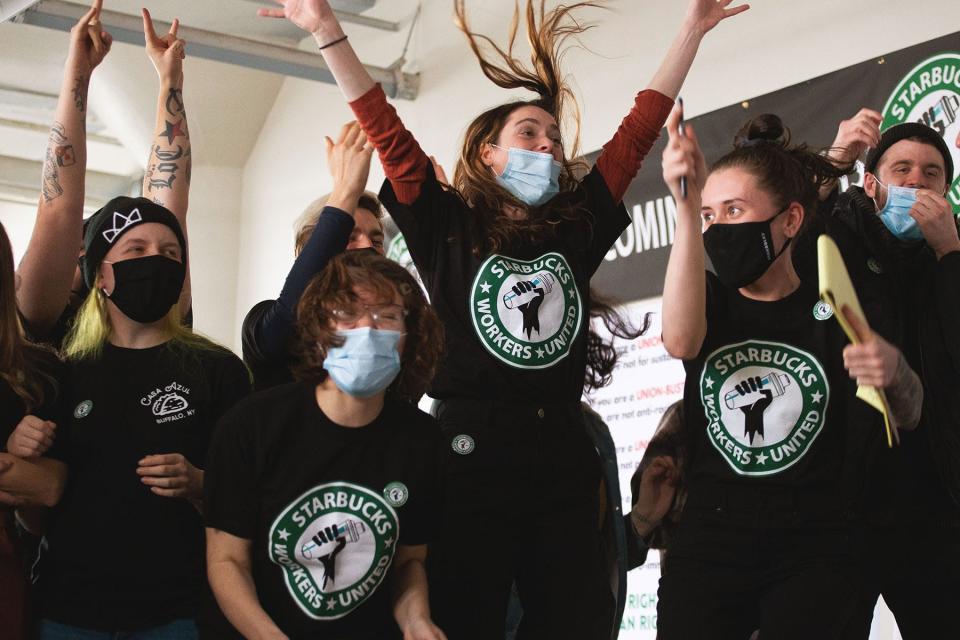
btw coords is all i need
(214, 241)
(17, 220)
(775, 44)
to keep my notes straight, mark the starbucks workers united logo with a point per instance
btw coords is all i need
(526, 313)
(335, 544)
(930, 95)
(765, 404)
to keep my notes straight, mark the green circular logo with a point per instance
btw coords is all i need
(396, 494)
(83, 409)
(765, 404)
(822, 310)
(874, 265)
(930, 94)
(398, 252)
(463, 444)
(335, 544)
(526, 313)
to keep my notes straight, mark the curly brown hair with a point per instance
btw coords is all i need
(547, 33)
(335, 287)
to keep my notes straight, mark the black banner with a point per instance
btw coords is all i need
(920, 83)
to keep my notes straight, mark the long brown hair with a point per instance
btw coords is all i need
(602, 355)
(547, 33)
(787, 172)
(334, 287)
(21, 364)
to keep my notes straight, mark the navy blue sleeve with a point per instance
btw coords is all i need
(274, 327)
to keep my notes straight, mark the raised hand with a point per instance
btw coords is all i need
(704, 15)
(349, 162)
(166, 52)
(531, 308)
(854, 136)
(309, 15)
(753, 423)
(89, 44)
(682, 157)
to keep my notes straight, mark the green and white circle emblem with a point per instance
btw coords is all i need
(765, 404)
(526, 313)
(335, 544)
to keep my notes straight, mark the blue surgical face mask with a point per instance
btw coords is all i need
(895, 214)
(532, 177)
(366, 363)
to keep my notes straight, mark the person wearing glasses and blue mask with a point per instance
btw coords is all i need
(506, 252)
(321, 495)
(911, 509)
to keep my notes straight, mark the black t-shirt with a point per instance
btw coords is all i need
(767, 400)
(120, 557)
(324, 506)
(516, 321)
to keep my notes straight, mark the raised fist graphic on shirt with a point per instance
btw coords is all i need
(531, 309)
(753, 413)
(329, 562)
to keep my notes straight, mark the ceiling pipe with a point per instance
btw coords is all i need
(56, 14)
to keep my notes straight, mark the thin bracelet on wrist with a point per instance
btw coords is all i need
(330, 44)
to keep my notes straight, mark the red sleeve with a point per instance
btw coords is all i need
(404, 162)
(620, 159)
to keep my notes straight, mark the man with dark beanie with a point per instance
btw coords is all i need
(908, 497)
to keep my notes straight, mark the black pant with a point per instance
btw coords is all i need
(743, 560)
(916, 567)
(521, 505)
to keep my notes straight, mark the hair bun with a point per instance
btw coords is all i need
(766, 128)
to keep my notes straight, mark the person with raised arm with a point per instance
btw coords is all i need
(907, 233)
(125, 545)
(169, 165)
(50, 284)
(770, 405)
(506, 253)
(347, 218)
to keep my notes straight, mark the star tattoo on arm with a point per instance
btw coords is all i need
(173, 131)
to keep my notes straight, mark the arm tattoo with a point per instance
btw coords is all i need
(166, 164)
(79, 94)
(59, 154)
(175, 102)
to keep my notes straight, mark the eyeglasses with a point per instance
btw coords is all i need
(385, 316)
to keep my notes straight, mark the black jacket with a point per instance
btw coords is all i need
(922, 478)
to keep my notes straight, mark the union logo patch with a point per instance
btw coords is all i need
(765, 404)
(526, 313)
(335, 544)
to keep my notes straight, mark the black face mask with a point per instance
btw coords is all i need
(742, 253)
(145, 288)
